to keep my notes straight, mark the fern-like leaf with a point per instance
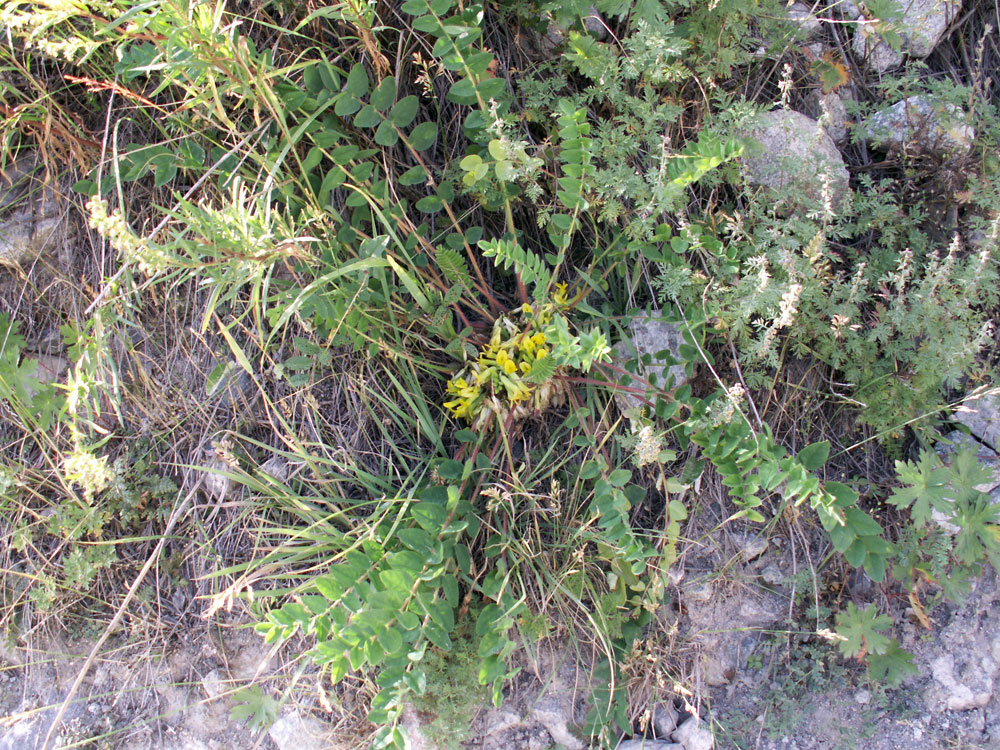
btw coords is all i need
(531, 268)
(453, 267)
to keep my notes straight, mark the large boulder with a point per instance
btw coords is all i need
(796, 162)
(920, 28)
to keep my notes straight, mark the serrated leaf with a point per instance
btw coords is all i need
(928, 487)
(892, 667)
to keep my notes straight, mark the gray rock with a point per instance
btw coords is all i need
(650, 336)
(277, 468)
(846, 9)
(664, 719)
(959, 668)
(649, 745)
(793, 159)
(773, 575)
(34, 216)
(212, 684)
(921, 27)
(50, 369)
(693, 736)
(594, 24)
(919, 121)
(296, 732)
(981, 415)
(830, 112)
(233, 386)
(751, 546)
(955, 693)
(802, 15)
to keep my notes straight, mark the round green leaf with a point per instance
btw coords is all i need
(383, 97)
(413, 176)
(357, 81)
(391, 640)
(423, 136)
(368, 117)
(429, 205)
(404, 111)
(386, 134)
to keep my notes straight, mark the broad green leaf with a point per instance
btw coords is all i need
(814, 456)
(403, 111)
(383, 97)
(357, 81)
(367, 117)
(386, 134)
(413, 176)
(423, 136)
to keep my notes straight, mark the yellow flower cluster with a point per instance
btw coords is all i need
(495, 382)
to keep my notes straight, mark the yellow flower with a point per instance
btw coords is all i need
(559, 295)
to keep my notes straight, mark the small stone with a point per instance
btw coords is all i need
(219, 462)
(50, 369)
(232, 387)
(214, 483)
(664, 719)
(693, 736)
(649, 745)
(276, 467)
(862, 697)
(772, 575)
(34, 215)
(847, 9)
(919, 121)
(699, 591)
(796, 162)
(752, 547)
(555, 719)
(650, 336)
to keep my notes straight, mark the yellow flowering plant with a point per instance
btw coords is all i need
(519, 371)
